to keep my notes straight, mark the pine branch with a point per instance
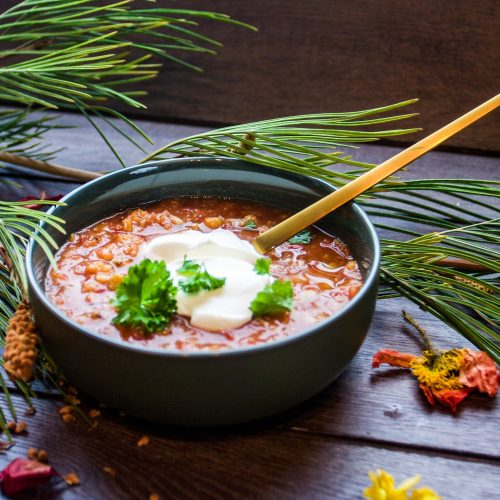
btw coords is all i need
(74, 54)
(83, 54)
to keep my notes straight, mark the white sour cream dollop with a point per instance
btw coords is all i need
(224, 255)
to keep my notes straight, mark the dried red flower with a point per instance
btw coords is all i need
(23, 474)
(445, 376)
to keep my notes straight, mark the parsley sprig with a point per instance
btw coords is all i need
(146, 297)
(199, 278)
(274, 299)
(262, 266)
(301, 238)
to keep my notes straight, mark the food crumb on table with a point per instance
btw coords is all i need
(94, 413)
(143, 441)
(72, 479)
(110, 471)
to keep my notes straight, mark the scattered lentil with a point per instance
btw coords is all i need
(110, 471)
(20, 427)
(72, 479)
(144, 441)
(65, 410)
(73, 400)
(30, 411)
(69, 418)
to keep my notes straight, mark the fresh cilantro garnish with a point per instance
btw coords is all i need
(274, 299)
(250, 224)
(262, 266)
(146, 297)
(188, 268)
(200, 279)
(301, 238)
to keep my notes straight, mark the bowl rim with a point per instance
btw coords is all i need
(370, 280)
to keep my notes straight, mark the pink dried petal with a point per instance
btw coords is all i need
(23, 474)
(479, 371)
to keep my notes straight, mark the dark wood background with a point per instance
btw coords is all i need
(338, 55)
(342, 55)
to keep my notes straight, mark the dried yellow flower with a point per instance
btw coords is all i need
(383, 487)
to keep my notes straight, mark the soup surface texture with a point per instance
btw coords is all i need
(91, 265)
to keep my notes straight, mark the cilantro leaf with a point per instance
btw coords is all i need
(262, 266)
(202, 280)
(146, 297)
(274, 299)
(301, 238)
(188, 268)
(250, 224)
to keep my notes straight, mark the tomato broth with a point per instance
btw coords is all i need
(91, 265)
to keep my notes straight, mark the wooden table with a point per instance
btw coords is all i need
(367, 419)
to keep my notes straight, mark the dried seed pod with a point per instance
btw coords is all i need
(20, 344)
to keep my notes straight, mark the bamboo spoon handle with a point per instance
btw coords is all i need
(286, 229)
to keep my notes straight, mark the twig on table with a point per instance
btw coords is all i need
(49, 168)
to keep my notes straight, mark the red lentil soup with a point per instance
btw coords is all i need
(91, 265)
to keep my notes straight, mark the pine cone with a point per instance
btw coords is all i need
(20, 344)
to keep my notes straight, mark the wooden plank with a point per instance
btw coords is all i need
(386, 404)
(84, 149)
(310, 57)
(383, 405)
(341, 56)
(244, 462)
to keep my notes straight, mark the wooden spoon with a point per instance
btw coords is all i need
(299, 221)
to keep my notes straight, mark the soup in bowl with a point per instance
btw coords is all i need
(159, 305)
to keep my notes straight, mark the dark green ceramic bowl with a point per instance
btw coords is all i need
(205, 388)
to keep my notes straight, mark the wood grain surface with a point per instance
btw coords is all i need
(322, 449)
(342, 55)
(265, 461)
